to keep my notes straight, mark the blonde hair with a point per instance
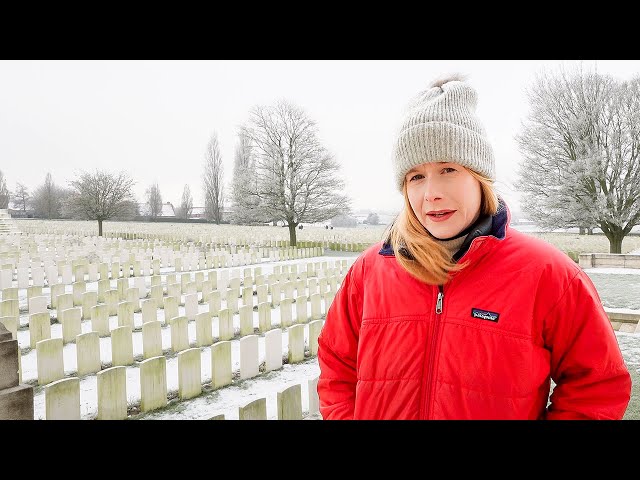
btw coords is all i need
(431, 261)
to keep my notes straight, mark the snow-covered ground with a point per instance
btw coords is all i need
(617, 287)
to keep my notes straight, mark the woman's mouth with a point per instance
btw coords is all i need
(440, 215)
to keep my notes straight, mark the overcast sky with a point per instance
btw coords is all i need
(153, 119)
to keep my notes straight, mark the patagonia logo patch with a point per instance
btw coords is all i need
(484, 314)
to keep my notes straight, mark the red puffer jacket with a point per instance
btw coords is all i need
(518, 316)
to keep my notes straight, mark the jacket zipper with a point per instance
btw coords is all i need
(432, 350)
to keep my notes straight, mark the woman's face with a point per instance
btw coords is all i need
(445, 197)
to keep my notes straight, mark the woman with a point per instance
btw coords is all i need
(455, 315)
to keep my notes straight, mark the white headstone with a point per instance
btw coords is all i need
(38, 304)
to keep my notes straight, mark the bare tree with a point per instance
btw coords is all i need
(21, 197)
(101, 196)
(4, 192)
(244, 206)
(213, 181)
(154, 200)
(186, 204)
(296, 177)
(47, 199)
(581, 148)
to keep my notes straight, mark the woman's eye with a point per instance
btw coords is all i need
(417, 176)
(448, 170)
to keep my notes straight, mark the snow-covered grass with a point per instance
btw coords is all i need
(617, 290)
(575, 243)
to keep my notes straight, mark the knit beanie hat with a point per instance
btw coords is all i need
(441, 126)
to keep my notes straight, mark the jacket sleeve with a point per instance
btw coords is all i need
(587, 367)
(337, 349)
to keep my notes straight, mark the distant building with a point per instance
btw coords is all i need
(197, 212)
(168, 210)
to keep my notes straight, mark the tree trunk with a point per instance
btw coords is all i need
(292, 234)
(582, 229)
(590, 231)
(99, 228)
(615, 241)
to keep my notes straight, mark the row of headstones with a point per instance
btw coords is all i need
(191, 260)
(23, 258)
(34, 239)
(143, 265)
(41, 242)
(92, 308)
(69, 244)
(50, 361)
(71, 318)
(65, 273)
(62, 250)
(79, 237)
(71, 322)
(62, 401)
(317, 269)
(37, 302)
(60, 300)
(176, 295)
(188, 260)
(104, 270)
(62, 395)
(82, 246)
(75, 246)
(258, 237)
(348, 246)
(36, 245)
(202, 283)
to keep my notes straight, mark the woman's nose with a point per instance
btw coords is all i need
(431, 191)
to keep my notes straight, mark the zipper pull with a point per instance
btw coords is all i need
(439, 302)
